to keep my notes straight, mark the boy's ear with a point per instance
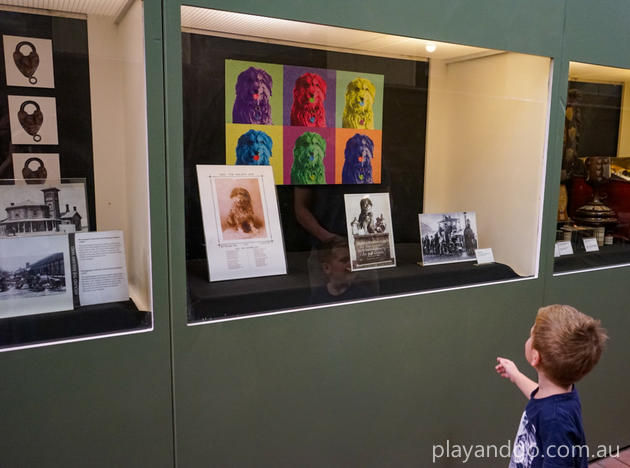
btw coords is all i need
(326, 268)
(535, 358)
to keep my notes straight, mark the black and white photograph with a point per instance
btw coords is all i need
(34, 275)
(448, 237)
(35, 168)
(41, 209)
(33, 120)
(28, 61)
(370, 232)
(241, 222)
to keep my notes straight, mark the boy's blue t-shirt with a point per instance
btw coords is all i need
(551, 433)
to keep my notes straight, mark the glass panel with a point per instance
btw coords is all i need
(593, 212)
(360, 133)
(74, 242)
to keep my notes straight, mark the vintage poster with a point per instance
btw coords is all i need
(448, 237)
(34, 275)
(35, 168)
(241, 222)
(33, 120)
(28, 62)
(370, 234)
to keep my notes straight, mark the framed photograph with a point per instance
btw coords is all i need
(33, 120)
(41, 209)
(35, 168)
(241, 222)
(370, 234)
(448, 237)
(34, 275)
(28, 62)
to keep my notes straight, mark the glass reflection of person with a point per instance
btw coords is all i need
(340, 283)
(321, 212)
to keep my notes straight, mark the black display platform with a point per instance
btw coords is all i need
(222, 299)
(78, 323)
(606, 256)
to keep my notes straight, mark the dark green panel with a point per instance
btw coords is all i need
(597, 32)
(374, 384)
(105, 402)
(604, 295)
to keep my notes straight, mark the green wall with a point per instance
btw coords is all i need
(368, 385)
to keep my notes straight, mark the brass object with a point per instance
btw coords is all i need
(596, 213)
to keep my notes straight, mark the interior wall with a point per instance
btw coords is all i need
(486, 129)
(623, 148)
(119, 118)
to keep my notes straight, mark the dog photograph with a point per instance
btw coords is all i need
(369, 225)
(309, 156)
(360, 100)
(448, 237)
(309, 97)
(241, 212)
(255, 145)
(253, 93)
(358, 156)
(241, 222)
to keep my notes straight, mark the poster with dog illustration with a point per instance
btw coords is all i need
(253, 93)
(311, 125)
(309, 97)
(359, 100)
(241, 222)
(309, 155)
(370, 233)
(358, 156)
(256, 145)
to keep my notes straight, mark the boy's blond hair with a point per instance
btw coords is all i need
(570, 343)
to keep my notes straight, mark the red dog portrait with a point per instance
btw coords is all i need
(309, 95)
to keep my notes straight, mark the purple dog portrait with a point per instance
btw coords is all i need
(254, 148)
(253, 90)
(357, 166)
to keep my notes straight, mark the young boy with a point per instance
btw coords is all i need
(334, 258)
(563, 346)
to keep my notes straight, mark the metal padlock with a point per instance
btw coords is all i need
(31, 123)
(27, 64)
(37, 176)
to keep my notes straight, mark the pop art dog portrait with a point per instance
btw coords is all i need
(253, 93)
(358, 155)
(309, 96)
(358, 111)
(254, 148)
(308, 159)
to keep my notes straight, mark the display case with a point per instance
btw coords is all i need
(593, 211)
(75, 243)
(324, 165)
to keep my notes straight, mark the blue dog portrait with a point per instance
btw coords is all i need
(254, 148)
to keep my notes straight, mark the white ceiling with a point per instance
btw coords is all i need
(587, 72)
(315, 35)
(88, 7)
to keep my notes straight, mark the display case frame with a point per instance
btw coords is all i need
(116, 387)
(281, 341)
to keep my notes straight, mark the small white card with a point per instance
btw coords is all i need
(590, 244)
(564, 248)
(484, 256)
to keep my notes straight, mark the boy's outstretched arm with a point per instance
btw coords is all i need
(506, 368)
